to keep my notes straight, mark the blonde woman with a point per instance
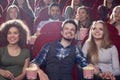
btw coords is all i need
(115, 18)
(99, 50)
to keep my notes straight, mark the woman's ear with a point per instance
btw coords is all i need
(61, 32)
(48, 12)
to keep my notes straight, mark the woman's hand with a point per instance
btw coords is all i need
(107, 75)
(7, 74)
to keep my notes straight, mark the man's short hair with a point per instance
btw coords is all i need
(69, 21)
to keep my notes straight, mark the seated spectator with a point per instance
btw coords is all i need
(14, 57)
(114, 27)
(115, 18)
(71, 10)
(54, 15)
(99, 50)
(59, 57)
(104, 9)
(24, 4)
(13, 12)
(83, 20)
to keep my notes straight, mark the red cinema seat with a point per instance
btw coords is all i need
(49, 32)
(42, 40)
(43, 15)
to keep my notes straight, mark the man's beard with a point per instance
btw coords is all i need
(67, 39)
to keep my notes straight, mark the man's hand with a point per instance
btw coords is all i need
(42, 75)
(96, 69)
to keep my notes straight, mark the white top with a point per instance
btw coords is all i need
(108, 59)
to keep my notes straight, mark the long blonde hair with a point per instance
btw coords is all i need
(111, 16)
(92, 54)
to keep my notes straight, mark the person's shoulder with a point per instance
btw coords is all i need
(2, 48)
(51, 43)
(25, 50)
(114, 47)
(76, 47)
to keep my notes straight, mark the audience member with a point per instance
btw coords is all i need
(59, 57)
(12, 13)
(24, 4)
(54, 15)
(104, 9)
(71, 10)
(99, 50)
(115, 18)
(14, 57)
(114, 27)
(82, 18)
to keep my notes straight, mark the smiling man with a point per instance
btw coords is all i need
(59, 57)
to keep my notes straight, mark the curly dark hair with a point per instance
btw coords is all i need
(22, 28)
